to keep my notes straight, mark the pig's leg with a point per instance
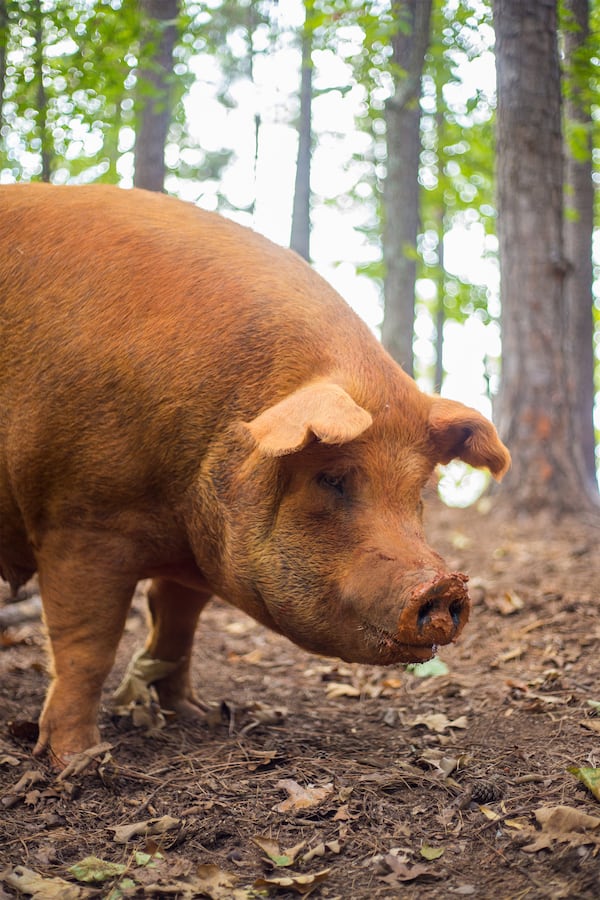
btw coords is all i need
(85, 608)
(174, 611)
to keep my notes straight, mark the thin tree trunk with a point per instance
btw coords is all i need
(154, 91)
(257, 117)
(533, 405)
(579, 227)
(401, 187)
(3, 44)
(41, 97)
(440, 313)
(300, 236)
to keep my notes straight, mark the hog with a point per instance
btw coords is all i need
(184, 401)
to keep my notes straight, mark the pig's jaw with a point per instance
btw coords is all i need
(391, 651)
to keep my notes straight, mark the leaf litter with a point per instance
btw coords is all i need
(404, 758)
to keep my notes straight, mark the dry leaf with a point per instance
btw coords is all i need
(321, 850)
(214, 882)
(402, 871)
(509, 604)
(591, 724)
(588, 776)
(300, 798)
(26, 881)
(438, 722)
(337, 689)
(280, 858)
(124, 833)
(563, 825)
(302, 884)
(81, 761)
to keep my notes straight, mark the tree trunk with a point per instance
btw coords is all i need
(41, 98)
(300, 236)
(401, 187)
(3, 44)
(533, 405)
(579, 227)
(154, 91)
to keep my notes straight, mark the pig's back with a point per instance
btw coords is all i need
(95, 274)
(134, 327)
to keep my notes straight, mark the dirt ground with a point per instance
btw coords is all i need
(310, 775)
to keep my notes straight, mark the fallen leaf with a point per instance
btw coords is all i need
(444, 764)
(26, 881)
(430, 669)
(520, 824)
(214, 882)
(591, 724)
(489, 813)
(281, 858)
(431, 853)
(302, 884)
(563, 825)
(337, 689)
(124, 833)
(439, 723)
(509, 603)
(321, 850)
(402, 871)
(7, 760)
(589, 777)
(136, 695)
(93, 869)
(300, 798)
(82, 760)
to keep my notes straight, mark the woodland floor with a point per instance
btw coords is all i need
(414, 787)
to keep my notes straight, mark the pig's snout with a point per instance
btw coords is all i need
(436, 611)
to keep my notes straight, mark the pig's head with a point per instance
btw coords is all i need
(323, 523)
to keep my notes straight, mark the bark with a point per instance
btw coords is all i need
(3, 43)
(300, 235)
(41, 97)
(401, 187)
(579, 227)
(533, 405)
(154, 91)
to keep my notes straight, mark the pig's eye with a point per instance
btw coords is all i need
(333, 483)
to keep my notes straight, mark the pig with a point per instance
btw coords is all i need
(186, 402)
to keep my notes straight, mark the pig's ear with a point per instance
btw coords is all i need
(459, 432)
(321, 411)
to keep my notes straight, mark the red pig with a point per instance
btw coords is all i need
(184, 401)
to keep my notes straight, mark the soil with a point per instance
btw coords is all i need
(393, 782)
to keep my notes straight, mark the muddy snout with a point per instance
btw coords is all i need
(436, 611)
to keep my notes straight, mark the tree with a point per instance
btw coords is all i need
(155, 91)
(300, 235)
(401, 186)
(579, 226)
(533, 408)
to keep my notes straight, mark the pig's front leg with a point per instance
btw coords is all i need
(85, 607)
(174, 611)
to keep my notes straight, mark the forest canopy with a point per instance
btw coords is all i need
(369, 136)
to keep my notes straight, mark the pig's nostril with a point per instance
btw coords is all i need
(455, 610)
(425, 614)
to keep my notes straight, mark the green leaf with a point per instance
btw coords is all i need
(428, 669)
(431, 853)
(589, 777)
(94, 869)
